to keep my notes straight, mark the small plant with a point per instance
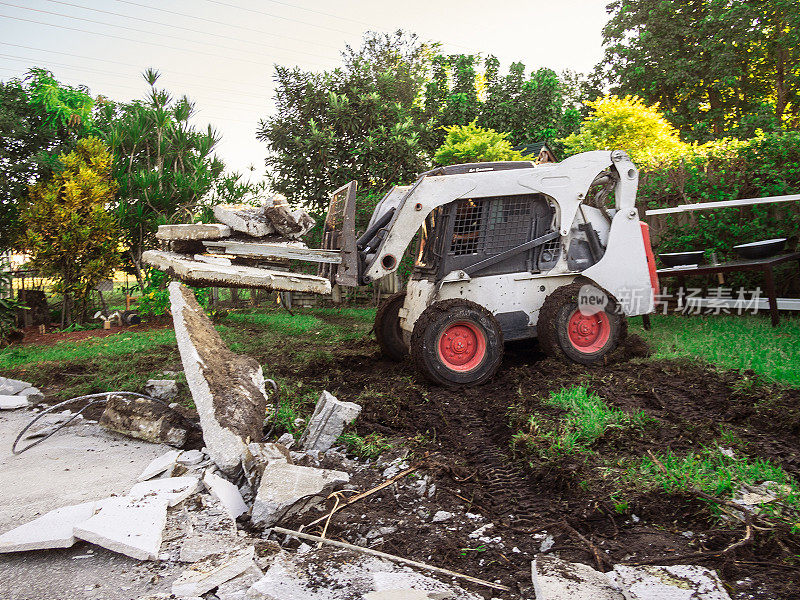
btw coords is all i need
(587, 419)
(369, 446)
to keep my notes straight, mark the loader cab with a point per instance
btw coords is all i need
(474, 234)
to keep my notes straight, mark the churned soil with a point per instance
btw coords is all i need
(462, 440)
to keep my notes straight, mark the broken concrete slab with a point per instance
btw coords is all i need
(191, 457)
(291, 489)
(52, 530)
(162, 389)
(289, 223)
(145, 420)
(200, 545)
(674, 582)
(174, 489)
(556, 579)
(236, 588)
(130, 526)
(348, 576)
(184, 268)
(11, 387)
(327, 423)
(403, 579)
(193, 231)
(162, 464)
(228, 389)
(226, 493)
(257, 456)
(32, 394)
(9, 402)
(244, 218)
(213, 571)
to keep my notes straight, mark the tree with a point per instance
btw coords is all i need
(40, 118)
(470, 143)
(69, 233)
(716, 67)
(532, 109)
(626, 124)
(361, 121)
(164, 165)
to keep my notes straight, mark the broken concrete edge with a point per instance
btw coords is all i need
(130, 526)
(193, 231)
(328, 421)
(212, 571)
(228, 389)
(556, 579)
(183, 267)
(226, 493)
(287, 490)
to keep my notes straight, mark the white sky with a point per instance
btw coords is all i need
(221, 52)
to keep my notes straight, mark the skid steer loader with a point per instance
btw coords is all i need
(506, 251)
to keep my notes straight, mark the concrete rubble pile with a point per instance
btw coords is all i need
(249, 247)
(17, 394)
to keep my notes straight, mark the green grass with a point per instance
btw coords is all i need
(728, 341)
(710, 471)
(369, 446)
(587, 418)
(114, 346)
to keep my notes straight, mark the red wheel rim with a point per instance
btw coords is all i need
(588, 333)
(462, 346)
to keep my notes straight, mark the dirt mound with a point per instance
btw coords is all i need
(469, 433)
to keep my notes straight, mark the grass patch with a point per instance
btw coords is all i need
(369, 446)
(710, 471)
(729, 341)
(587, 418)
(128, 343)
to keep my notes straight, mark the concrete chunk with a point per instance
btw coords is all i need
(327, 423)
(32, 394)
(162, 389)
(162, 464)
(556, 579)
(191, 457)
(193, 231)
(51, 530)
(674, 582)
(213, 571)
(291, 489)
(227, 494)
(173, 489)
(257, 456)
(130, 526)
(10, 387)
(198, 546)
(293, 224)
(228, 389)
(9, 402)
(184, 268)
(144, 419)
(244, 218)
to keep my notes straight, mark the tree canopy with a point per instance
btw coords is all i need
(69, 234)
(716, 67)
(626, 124)
(471, 143)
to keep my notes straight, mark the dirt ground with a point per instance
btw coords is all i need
(466, 435)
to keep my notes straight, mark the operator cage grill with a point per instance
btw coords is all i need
(484, 227)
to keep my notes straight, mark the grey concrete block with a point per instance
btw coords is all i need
(327, 423)
(193, 231)
(291, 489)
(674, 582)
(556, 579)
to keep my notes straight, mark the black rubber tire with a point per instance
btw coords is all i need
(387, 328)
(553, 323)
(431, 325)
